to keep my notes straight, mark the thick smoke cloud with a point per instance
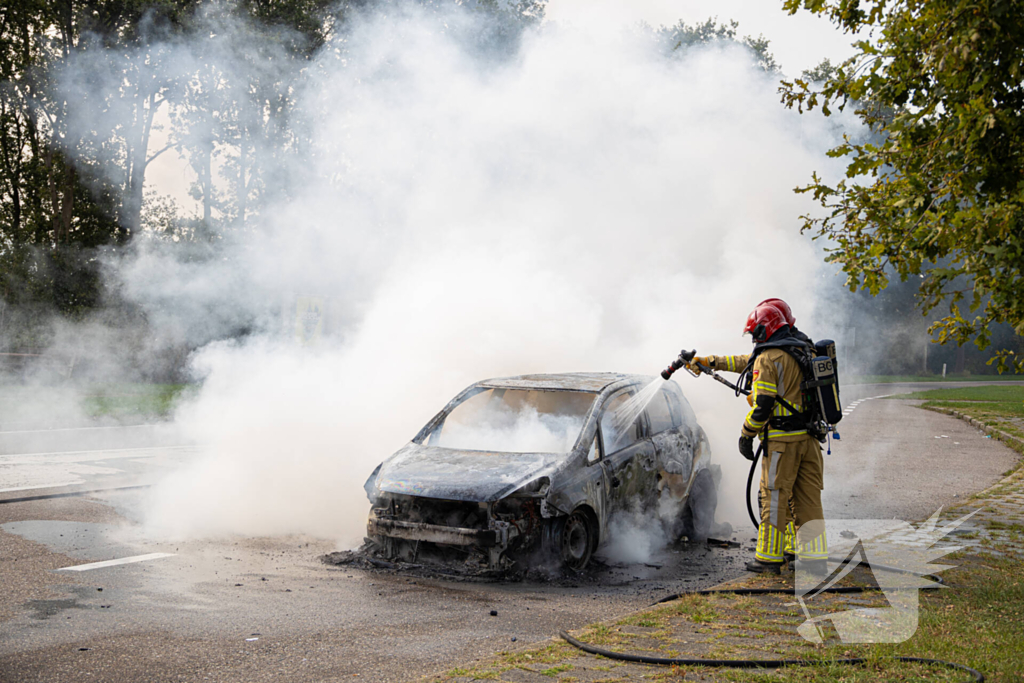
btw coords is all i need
(585, 204)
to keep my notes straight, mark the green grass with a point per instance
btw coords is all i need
(66, 405)
(975, 622)
(990, 393)
(906, 379)
(997, 406)
(1001, 407)
(555, 670)
(129, 401)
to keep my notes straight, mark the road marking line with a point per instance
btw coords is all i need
(98, 450)
(71, 494)
(112, 563)
(41, 486)
(77, 429)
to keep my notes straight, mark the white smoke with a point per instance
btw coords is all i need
(634, 537)
(522, 431)
(588, 204)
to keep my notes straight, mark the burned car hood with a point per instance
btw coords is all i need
(451, 474)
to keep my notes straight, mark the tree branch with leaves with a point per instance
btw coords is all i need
(937, 190)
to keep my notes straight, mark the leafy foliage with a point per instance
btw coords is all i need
(681, 36)
(92, 92)
(937, 190)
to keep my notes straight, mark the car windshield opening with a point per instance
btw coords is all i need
(515, 421)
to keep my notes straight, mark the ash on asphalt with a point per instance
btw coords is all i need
(676, 568)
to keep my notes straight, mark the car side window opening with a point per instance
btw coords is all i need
(617, 436)
(514, 421)
(594, 454)
(659, 414)
(682, 413)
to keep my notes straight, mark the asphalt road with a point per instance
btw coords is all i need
(269, 609)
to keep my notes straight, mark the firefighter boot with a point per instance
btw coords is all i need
(816, 568)
(760, 567)
(768, 558)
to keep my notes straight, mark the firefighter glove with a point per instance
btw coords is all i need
(747, 447)
(750, 399)
(694, 365)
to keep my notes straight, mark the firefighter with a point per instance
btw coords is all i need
(789, 534)
(792, 466)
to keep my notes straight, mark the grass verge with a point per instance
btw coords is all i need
(134, 401)
(994, 405)
(976, 622)
(71, 405)
(906, 379)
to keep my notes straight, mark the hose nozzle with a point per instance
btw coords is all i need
(684, 358)
(667, 372)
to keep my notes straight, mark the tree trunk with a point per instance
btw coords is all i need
(12, 167)
(35, 199)
(147, 106)
(51, 183)
(67, 207)
(242, 189)
(206, 181)
(960, 359)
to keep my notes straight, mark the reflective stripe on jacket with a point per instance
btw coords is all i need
(775, 373)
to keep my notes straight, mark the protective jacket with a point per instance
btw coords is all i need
(792, 471)
(776, 373)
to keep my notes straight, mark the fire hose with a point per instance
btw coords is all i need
(975, 675)
(684, 359)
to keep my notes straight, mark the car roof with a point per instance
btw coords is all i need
(569, 381)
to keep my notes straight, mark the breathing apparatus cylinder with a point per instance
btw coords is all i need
(826, 381)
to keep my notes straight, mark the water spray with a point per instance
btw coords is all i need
(685, 359)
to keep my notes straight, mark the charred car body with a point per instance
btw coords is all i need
(517, 466)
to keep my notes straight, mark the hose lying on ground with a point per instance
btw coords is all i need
(976, 676)
(754, 663)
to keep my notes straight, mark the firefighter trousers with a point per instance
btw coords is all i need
(792, 471)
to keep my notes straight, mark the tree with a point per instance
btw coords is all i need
(937, 190)
(681, 36)
(61, 196)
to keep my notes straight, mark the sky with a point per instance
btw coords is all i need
(798, 42)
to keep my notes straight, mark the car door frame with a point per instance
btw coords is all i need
(678, 437)
(621, 468)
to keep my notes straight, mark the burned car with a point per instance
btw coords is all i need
(516, 468)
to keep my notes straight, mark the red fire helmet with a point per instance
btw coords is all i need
(783, 307)
(763, 321)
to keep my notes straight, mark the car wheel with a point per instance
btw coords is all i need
(699, 514)
(576, 541)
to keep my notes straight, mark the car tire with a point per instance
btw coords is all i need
(699, 513)
(575, 539)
